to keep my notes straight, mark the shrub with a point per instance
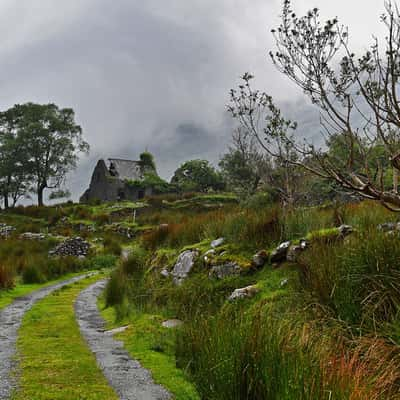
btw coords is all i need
(116, 289)
(33, 274)
(100, 261)
(7, 276)
(112, 246)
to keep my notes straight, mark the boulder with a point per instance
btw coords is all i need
(217, 242)
(172, 323)
(295, 251)
(225, 270)
(260, 258)
(184, 265)
(244, 293)
(280, 253)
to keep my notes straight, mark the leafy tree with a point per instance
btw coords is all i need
(197, 175)
(357, 97)
(244, 166)
(52, 141)
(147, 161)
(15, 175)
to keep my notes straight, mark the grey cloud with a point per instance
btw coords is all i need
(148, 74)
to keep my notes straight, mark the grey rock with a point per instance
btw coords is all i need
(225, 270)
(6, 230)
(295, 251)
(389, 226)
(243, 293)
(345, 230)
(172, 323)
(33, 236)
(280, 253)
(184, 265)
(217, 242)
(117, 330)
(165, 273)
(284, 282)
(260, 258)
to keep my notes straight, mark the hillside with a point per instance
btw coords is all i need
(221, 299)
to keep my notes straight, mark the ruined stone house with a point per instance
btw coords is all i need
(113, 181)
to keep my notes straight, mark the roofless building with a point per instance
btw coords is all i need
(117, 180)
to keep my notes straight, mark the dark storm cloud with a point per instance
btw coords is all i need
(149, 74)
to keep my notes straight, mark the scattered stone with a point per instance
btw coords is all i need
(244, 293)
(165, 273)
(208, 256)
(172, 323)
(295, 250)
(184, 265)
(117, 330)
(225, 270)
(33, 236)
(389, 226)
(280, 253)
(6, 230)
(74, 247)
(218, 242)
(345, 230)
(260, 258)
(284, 282)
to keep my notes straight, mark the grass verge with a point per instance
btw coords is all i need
(153, 346)
(55, 361)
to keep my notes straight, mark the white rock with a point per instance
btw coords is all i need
(244, 293)
(217, 242)
(172, 323)
(184, 265)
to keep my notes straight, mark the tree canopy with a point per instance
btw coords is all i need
(39, 145)
(197, 175)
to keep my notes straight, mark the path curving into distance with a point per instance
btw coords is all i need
(10, 321)
(127, 377)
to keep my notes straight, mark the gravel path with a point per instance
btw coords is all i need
(10, 321)
(126, 376)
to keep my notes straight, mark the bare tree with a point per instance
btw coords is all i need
(357, 97)
(260, 118)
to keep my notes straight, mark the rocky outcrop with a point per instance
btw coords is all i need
(225, 270)
(184, 265)
(75, 247)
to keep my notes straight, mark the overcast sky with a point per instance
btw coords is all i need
(154, 74)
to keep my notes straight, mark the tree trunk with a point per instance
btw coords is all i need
(6, 205)
(395, 180)
(40, 195)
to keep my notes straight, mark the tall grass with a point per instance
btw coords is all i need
(251, 228)
(359, 280)
(238, 355)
